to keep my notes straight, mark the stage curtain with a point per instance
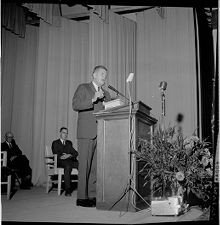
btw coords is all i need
(13, 18)
(59, 71)
(98, 43)
(166, 52)
(39, 77)
(113, 44)
(17, 87)
(49, 13)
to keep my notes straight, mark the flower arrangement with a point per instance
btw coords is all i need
(176, 163)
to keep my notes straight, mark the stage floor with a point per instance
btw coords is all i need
(36, 206)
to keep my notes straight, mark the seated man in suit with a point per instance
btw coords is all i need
(17, 161)
(66, 157)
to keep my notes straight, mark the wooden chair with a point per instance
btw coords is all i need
(52, 169)
(8, 181)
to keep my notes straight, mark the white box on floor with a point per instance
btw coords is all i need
(169, 206)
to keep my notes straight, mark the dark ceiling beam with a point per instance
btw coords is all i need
(133, 10)
(168, 3)
(123, 12)
(80, 18)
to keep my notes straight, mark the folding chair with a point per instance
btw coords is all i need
(52, 169)
(8, 181)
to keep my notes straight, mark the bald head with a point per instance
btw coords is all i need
(9, 136)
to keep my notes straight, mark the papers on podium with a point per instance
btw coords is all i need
(113, 103)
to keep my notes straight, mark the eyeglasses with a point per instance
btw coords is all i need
(10, 136)
(64, 132)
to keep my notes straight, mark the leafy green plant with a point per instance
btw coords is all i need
(176, 163)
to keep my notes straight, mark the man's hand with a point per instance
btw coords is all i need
(13, 157)
(98, 94)
(65, 156)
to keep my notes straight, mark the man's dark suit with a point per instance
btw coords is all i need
(86, 135)
(58, 148)
(20, 163)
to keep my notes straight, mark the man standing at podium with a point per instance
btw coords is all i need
(88, 99)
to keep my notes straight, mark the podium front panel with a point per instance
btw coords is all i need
(113, 163)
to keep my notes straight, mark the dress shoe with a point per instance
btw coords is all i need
(26, 183)
(93, 201)
(31, 184)
(84, 203)
(25, 186)
(67, 194)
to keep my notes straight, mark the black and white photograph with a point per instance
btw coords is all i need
(110, 112)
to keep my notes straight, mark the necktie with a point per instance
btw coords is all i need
(10, 145)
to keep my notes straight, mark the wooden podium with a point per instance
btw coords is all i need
(116, 163)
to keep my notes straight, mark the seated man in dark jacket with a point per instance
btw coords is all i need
(17, 161)
(66, 157)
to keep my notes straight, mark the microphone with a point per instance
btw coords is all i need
(163, 85)
(117, 92)
(113, 89)
(130, 77)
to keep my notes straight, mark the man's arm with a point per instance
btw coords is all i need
(3, 146)
(56, 150)
(72, 150)
(81, 100)
(74, 153)
(16, 150)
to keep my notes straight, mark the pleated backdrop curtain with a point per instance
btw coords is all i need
(49, 13)
(17, 86)
(41, 72)
(166, 52)
(39, 76)
(59, 71)
(114, 45)
(98, 42)
(13, 18)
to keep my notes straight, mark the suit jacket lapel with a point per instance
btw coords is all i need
(92, 87)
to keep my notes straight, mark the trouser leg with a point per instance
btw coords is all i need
(21, 164)
(67, 164)
(92, 170)
(67, 174)
(87, 169)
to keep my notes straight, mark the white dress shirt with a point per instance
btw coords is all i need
(96, 86)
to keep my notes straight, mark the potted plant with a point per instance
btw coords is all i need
(177, 165)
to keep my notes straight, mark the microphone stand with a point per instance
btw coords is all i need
(130, 184)
(163, 110)
(162, 87)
